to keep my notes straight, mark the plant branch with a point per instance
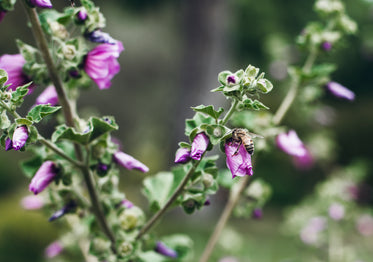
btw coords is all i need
(170, 201)
(232, 202)
(230, 112)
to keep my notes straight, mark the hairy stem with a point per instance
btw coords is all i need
(170, 201)
(232, 202)
(42, 44)
(230, 112)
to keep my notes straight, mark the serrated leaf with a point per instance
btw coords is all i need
(23, 121)
(209, 110)
(19, 94)
(215, 132)
(3, 77)
(197, 120)
(37, 113)
(96, 128)
(4, 120)
(254, 105)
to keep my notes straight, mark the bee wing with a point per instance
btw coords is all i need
(253, 135)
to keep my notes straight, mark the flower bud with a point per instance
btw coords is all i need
(20, 137)
(131, 218)
(340, 91)
(97, 36)
(32, 202)
(182, 155)
(257, 213)
(199, 146)
(99, 245)
(161, 248)
(231, 80)
(58, 30)
(207, 180)
(48, 96)
(82, 15)
(125, 248)
(63, 211)
(43, 177)
(53, 249)
(69, 52)
(129, 162)
(126, 203)
(41, 3)
(8, 144)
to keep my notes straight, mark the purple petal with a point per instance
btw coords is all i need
(161, 248)
(48, 96)
(43, 177)
(231, 80)
(126, 203)
(82, 15)
(340, 91)
(8, 144)
(327, 46)
(20, 137)
(257, 213)
(239, 164)
(53, 249)
(42, 3)
(97, 36)
(32, 202)
(336, 211)
(199, 146)
(182, 155)
(291, 144)
(129, 162)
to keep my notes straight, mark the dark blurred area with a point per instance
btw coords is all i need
(174, 51)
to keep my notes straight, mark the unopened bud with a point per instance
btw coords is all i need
(69, 52)
(207, 180)
(58, 30)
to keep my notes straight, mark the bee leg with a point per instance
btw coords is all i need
(238, 148)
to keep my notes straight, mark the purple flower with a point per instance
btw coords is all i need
(326, 46)
(336, 211)
(82, 15)
(13, 65)
(257, 213)
(182, 155)
(340, 91)
(20, 137)
(129, 162)
(126, 203)
(101, 63)
(239, 164)
(53, 249)
(63, 211)
(8, 144)
(32, 202)
(48, 96)
(41, 3)
(43, 177)
(2, 15)
(231, 80)
(199, 146)
(97, 36)
(161, 248)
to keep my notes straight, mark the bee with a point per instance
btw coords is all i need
(244, 137)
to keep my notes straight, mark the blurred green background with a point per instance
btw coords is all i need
(174, 50)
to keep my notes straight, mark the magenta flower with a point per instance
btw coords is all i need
(2, 15)
(8, 144)
(13, 65)
(101, 63)
(199, 146)
(129, 162)
(42, 3)
(182, 155)
(48, 96)
(161, 248)
(257, 213)
(326, 46)
(126, 203)
(240, 163)
(32, 202)
(340, 91)
(53, 249)
(43, 177)
(20, 137)
(82, 15)
(336, 211)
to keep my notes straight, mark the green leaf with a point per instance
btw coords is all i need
(209, 110)
(19, 94)
(4, 120)
(30, 166)
(3, 77)
(37, 113)
(215, 132)
(152, 256)
(320, 70)
(182, 244)
(96, 128)
(196, 122)
(193, 201)
(28, 52)
(247, 103)
(222, 77)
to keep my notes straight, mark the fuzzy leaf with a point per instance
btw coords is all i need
(253, 105)
(209, 110)
(23, 121)
(38, 112)
(196, 122)
(19, 94)
(4, 120)
(3, 77)
(30, 166)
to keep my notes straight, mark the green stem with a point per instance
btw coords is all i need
(69, 117)
(170, 201)
(232, 202)
(230, 112)
(7, 108)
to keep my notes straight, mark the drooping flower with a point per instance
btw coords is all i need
(101, 63)
(32, 202)
(161, 248)
(42, 3)
(43, 177)
(97, 36)
(340, 91)
(48, 96)
(20, 137)
(199, 146)
(238, 163)
(129, 162)
(53, 249)
(336, 211)
(182, 155)
(13, 65)
(63, 211)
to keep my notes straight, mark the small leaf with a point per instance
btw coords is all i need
(222, 77)
(247, 103)
(38, 112)
(4, 120)
(3, 77)
(196, 122)
(209, 110)
(23, 121)
(215, 132)
(19, 94)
